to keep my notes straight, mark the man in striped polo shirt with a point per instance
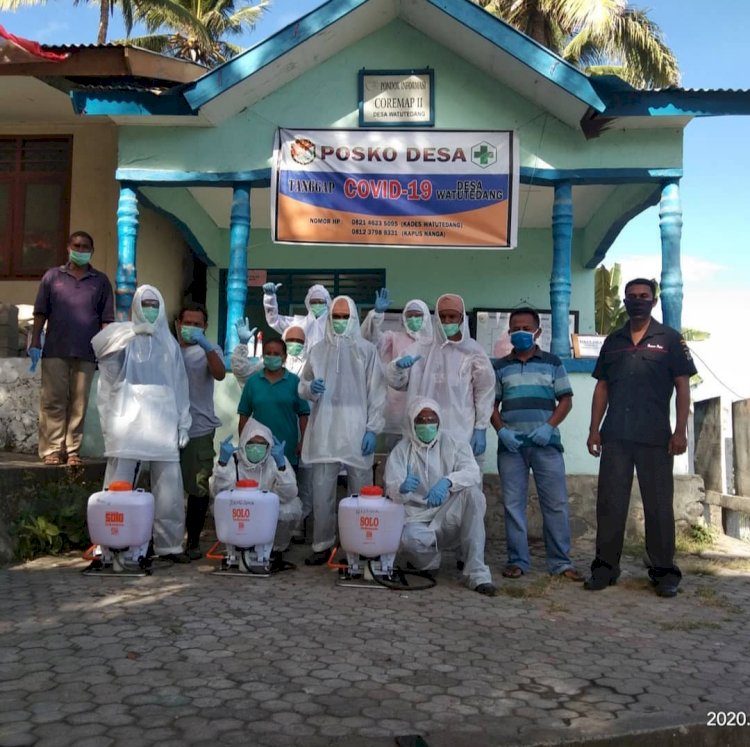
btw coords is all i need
(536, 396)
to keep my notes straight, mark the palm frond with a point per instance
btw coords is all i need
(14, 5)
(151, 42)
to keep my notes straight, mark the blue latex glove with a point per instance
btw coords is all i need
(277, 452)
(244, 332)
(226, 449)
(410, 483)
(407, 361)
(271, 288)
(318, 386)
(542, 435)
(368, 443)
(438, 492)
(382, 300)
(511, 440)
(36, 355)
(199, 338)
(479, 441)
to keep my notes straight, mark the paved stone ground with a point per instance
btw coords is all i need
(188, 658)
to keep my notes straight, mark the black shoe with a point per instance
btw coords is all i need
(176, 557)
(599, 579)
(487, 589)
(298, 540)
(459, 565)
(194, 553)
(666, 589)
(318, 558)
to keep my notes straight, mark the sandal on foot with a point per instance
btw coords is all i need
(74, 460)
(53, 459)
(571, 574)
(512, 571)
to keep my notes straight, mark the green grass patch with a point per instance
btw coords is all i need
(695, 539)
(531, 590)
(709, 597)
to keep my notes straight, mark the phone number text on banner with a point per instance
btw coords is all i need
(448, 188)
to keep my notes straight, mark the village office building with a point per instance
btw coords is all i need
(174, 177)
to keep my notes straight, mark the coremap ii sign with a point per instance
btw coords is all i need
(447, 188)
(396, 98)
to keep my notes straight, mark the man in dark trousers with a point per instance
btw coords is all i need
(639, 367)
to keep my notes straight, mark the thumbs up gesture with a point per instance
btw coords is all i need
(410, 483)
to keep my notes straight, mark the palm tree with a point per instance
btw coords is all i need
(601, 37)
(106, 9)
(194, 30)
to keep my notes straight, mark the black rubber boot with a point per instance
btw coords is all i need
(197, 506)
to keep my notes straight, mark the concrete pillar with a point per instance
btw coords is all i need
(670, 227)
(559, 286)
(239, 234)
(127, 238)
(741, 446)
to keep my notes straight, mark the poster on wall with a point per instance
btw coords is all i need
(492, 330)
(417, 188)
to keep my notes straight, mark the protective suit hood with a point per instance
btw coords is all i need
(317, 291)
(415, 407)
(440, 332)
(424, 334)
(254, 428)
(352, 333)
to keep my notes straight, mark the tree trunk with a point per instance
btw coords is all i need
(103, 21)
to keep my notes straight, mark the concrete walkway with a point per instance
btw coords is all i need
(188, 658)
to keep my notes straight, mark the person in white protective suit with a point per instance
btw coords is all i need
(243, 364)
(391, 344)
(453, 370)
(260, 457)
(343, 378)
(437, 479)
(317, 303)
(144, 407)
(243, 367)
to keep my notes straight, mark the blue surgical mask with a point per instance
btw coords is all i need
(340, 325)
(451, 329)
(426, 432)
(187, 331)
(295, 348)
(272, 362)
(150, 314)
(255, 452)
(414, 323)
(80, 259)
(522, 340)
(318, 309)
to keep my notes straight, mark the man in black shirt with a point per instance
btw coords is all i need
(639, 367)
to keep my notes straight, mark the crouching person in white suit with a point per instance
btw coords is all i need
(144, 407)
(437, 479)
(260, 457)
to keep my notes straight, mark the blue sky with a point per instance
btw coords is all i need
(716, 233)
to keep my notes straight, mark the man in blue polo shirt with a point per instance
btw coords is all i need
(270, 396)
(536, 397)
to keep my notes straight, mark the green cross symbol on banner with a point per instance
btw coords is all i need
(483, 154)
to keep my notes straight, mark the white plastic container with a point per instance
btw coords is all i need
(246, 516)
(370, 524)
(120, 517)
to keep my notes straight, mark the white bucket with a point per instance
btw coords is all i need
(370, 524)
(246, 516)
(120, 517)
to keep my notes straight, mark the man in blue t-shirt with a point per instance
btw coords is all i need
(536, 397)
(270, 396)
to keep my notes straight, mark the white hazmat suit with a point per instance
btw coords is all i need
(314, 328)
(456, 374)
(144, 407)
(267, 475)
(392, 344)
(351, 405)
(457, 524)
(243, 366)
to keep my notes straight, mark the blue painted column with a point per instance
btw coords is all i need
(670, 227)
(559, 284)
(127, 238)
(239, 234)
